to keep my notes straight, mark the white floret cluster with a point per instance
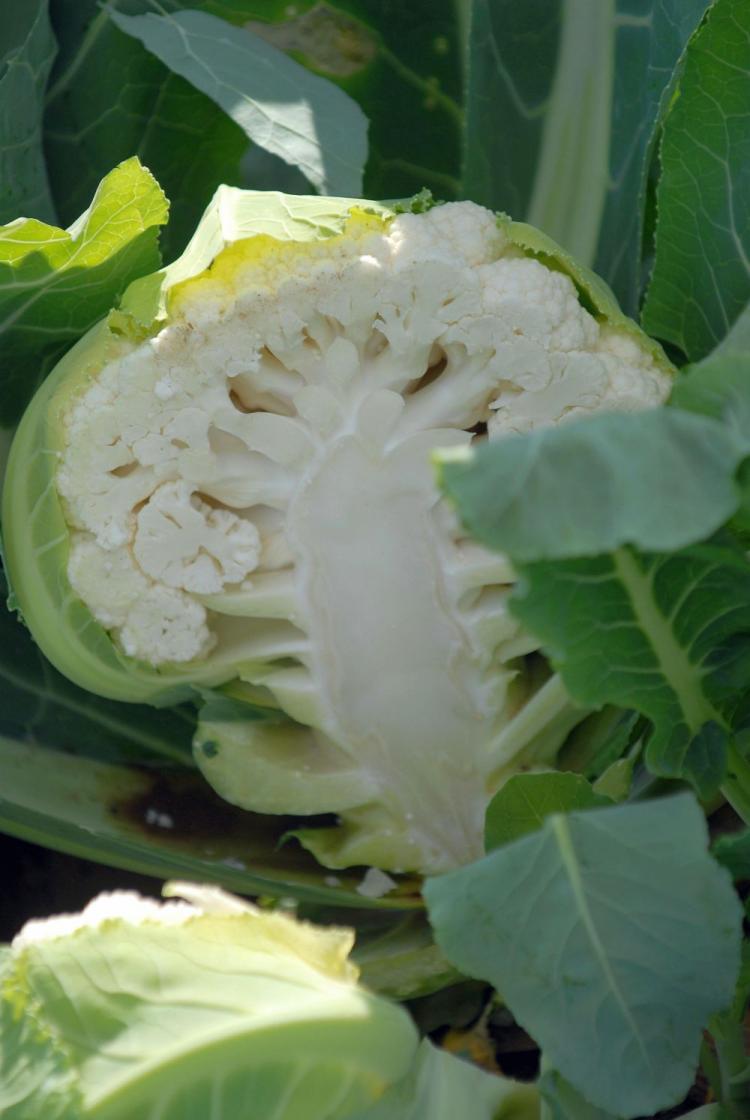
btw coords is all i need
(185, 453)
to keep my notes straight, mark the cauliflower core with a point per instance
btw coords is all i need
(253, 484)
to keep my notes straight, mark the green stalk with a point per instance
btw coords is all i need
(573, 168)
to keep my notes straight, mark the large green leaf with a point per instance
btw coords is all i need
(660, 479)
(509, 60)
(163, 823)
(27, 51)
(701, 277)
(667, 635)
(109, 99)
(563, 102)
(279, 104)
(564, 1103)
(612, 935)
(55, 283)
(651, 37)
(402, 63)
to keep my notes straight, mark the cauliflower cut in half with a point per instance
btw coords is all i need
(244, 489)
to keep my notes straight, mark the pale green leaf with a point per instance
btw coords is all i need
(442, 1087)
(281, 106)
(226, 1011)
(612, 935)
(36, 1076)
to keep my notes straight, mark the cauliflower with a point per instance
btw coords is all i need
(243, 488)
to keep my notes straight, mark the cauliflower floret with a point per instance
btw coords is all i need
(458, 231)
(182, 542)
(537, 303)
(165, 625)
(108, 580)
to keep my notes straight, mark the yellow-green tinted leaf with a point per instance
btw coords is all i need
(442, 1087)
(216, 1010)
(55, 283)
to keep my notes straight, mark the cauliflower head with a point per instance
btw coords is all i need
(230, 481)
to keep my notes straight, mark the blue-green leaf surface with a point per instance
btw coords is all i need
(282, 107)
(612, 936)
(660, 479)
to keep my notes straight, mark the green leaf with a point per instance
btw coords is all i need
(733, 852)
(383, 53)
(55, 283)
(163, 823)
(737, 339)
(400, 959)
(579, 87)
(612, 935)
(660, 479)
(701, 276)
(525, 800)
(28, 51)
(666, 635)
(296, 115)
(442, 1087)
(719, 388)
(549, 68)
(38, 705)
(109, 98)
(509, 58)
(650, 42)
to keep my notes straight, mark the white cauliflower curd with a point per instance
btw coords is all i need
(249, 491)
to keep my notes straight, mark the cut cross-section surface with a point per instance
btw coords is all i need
(248, 494)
